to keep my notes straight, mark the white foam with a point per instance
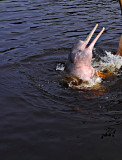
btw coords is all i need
(60, 67)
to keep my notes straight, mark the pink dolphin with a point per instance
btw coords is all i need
(79, 60)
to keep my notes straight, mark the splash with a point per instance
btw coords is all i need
(75, 82)
(109, 65)
(110, 62)
(85, 84)
(60, 67)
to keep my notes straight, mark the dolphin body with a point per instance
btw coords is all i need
(79, 60)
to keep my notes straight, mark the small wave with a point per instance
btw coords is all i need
(75, 82)
(85, 84)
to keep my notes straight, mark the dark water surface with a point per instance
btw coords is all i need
(40, 119)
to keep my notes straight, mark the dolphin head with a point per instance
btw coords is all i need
(79, 60)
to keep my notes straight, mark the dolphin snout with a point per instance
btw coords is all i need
(90, 36)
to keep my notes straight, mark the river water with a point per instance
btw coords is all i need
(40, 118)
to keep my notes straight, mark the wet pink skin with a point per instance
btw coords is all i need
(79, 60)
